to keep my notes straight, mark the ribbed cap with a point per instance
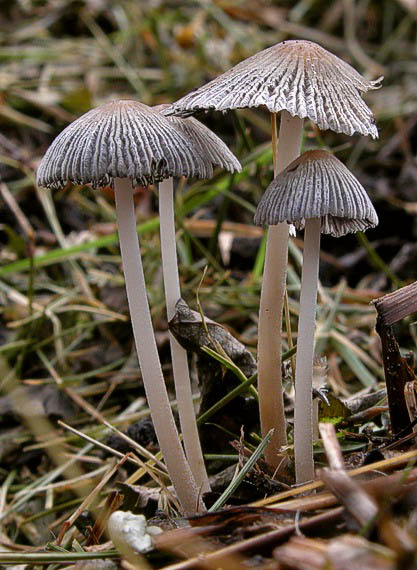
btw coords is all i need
(207, 143)
(120, 139)
(296, 75)
(317, 185)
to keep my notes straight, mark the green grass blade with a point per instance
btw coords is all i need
(242, 474)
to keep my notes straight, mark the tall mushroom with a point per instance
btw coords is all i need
(210, 146)
(123, 143)
(301, 80)
(318, 193)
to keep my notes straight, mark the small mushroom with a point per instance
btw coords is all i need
(301, 80)
(124, 143)
(207, 143)
(318, 193)
(216, 152)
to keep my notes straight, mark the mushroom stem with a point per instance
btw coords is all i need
(178, 354)
(303, 416)
(271, 403)
(149, 363)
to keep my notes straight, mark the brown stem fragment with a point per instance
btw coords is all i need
(398, 370)
(397, 374)
(396, 305)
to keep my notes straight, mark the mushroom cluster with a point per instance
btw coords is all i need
(124, 143)
(298, 79)
(121, 144)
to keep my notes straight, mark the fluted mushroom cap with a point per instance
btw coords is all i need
(120, 139)
(317, 185)
(207, 143)
(296, 75)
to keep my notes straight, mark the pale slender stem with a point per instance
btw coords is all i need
(315, 420)
(153, 380)
(289, 331)
(271, 403)
(303, 417)
(178, 354)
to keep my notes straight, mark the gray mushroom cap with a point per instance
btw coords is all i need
(317, 185)
(297, 75)
(207, 143)
(120, 139)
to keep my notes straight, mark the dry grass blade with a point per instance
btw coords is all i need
(375, 486)
(89, 499)
(331, 446)
(358, 503)
(148, 468)
(394, 462)
(18, 212)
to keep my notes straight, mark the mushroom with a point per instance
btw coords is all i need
(124, 143)
(318, 193)
(209, 145)
(302, 80)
